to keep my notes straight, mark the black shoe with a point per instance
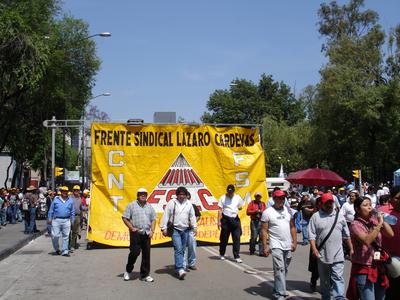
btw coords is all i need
(58, 252)
(313, 286)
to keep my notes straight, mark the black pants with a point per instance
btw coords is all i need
(230, 226)
(139, 242)
(392, 293)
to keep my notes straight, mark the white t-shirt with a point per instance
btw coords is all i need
(278, 227)
(380, 193)
(230, 206)
(348, 211)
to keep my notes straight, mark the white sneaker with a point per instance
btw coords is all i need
(239, 260)
(127, 276)
(148, 279)
(222, 257)
(181, 274)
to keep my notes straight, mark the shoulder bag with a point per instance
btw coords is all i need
(170, 223)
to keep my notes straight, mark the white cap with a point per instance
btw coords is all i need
(257, 194)
(142, 190)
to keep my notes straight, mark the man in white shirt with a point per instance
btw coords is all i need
(229, 222)
(279, 238)
(181, 213)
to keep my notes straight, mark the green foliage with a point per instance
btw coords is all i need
(247, 103)
(47, 67)
(357, 106)
(286, 145)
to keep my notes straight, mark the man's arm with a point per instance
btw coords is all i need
(129, 224)
(219, 218)
(265, 237)
(293, 233)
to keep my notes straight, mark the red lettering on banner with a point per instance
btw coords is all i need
(116, 236)
(153, 197)
(203, 192)
(170, 194)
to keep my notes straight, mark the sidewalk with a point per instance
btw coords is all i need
(12, 237)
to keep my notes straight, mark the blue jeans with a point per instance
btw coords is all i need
(60, 227)
(2, 216)
(369, 290)
(32, 220)
(281, 260)
(12, 213)
(19, 214)
(179, 240)
(191, 244)
(331, 280)
(304, 229)
(255, 237)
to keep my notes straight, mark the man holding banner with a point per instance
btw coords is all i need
(140, 218)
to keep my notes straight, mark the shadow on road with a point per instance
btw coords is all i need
(170, 270)
(266, 289)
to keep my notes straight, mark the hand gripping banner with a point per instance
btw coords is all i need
(160, 158)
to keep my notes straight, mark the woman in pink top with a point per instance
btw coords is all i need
(368, 278)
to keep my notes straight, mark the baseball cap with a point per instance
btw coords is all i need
(230, 188)
(142, 190)
(257, 194)
(64, 189)
(279, 193)
(326, 197)
(76, 187)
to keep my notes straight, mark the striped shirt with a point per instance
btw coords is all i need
(140, 216)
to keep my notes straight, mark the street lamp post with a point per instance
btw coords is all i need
(101, 34)
(84, 138)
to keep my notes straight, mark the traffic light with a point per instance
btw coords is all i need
(356, 173)
(58, 171)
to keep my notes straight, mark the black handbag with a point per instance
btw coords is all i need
(170, 224)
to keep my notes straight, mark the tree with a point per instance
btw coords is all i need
(286, 144)
(356, 113)
(47, 68)
(247, 103)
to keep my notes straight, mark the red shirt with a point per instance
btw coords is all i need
(392, 245)
(83, 201)
(253, 208)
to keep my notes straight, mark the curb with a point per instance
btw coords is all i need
(23, 242)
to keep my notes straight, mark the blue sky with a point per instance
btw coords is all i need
(171, 55)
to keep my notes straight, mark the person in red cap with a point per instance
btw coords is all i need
(279, 238)
(327, 229)
(255, 210)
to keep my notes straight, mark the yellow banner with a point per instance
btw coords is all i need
(204, 159)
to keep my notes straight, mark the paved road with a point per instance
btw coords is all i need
(34, 273)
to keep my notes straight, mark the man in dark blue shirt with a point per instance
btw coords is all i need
(61, 214)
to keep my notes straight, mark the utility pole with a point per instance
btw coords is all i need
(54, 124)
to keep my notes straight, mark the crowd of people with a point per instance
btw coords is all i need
(338, 223)
(17, 206)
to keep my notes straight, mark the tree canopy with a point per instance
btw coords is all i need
(248, 103)
(357, 109)
(47, 68)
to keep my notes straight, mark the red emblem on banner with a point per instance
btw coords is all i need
(181, 173)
